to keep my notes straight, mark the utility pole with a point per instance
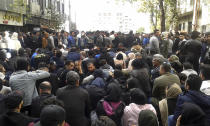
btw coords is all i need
(196, 10)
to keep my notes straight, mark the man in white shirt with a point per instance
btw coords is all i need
(205, 76)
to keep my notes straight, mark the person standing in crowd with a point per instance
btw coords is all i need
(45, 93)
(13, 117)
(192, 95)
(138, 104)
(166, 79)
(71, 39)
(205, 76)
(154, 43)
(191, 50)
(188, 69)
(25, 81)
(205, 52)
(168, 105)
(156, 61)
(192, 115)
(16, 42)
(147, 118)
(83, 40)
(76, 101)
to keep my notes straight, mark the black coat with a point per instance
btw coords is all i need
(144, 80)
(76, 103)
(14, 119)
(36, 104)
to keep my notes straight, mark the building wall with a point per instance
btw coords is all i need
(186, 7)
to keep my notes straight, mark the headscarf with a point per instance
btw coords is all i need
(147, 118)
(192, 115)
(113, 93)
(174, 91)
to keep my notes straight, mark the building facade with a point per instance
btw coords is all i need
(30, 15)
(192, 17)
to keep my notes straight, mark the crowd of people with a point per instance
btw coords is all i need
(104, 79)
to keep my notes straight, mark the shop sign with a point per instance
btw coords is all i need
(9, 18)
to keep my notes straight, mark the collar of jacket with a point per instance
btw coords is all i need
(20, 72)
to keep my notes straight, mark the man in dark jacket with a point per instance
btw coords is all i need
(191, 50)
(69, 65)
(13, 117)
(76, 101)
(73, 55)
(45, 93)
(192, 95)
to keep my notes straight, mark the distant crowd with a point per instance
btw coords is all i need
(99, 78)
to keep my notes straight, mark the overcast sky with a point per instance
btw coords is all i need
(86, 9)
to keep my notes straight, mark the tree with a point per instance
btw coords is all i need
(141, 30)
(158, 16)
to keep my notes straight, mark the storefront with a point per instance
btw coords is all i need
(10, 21)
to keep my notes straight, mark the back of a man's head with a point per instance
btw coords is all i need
(194, 82)
(205, 72)
(72, 78)
(45, 87)
(13, 100)
(52, 115)
(22, 64)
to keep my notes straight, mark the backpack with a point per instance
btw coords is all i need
(116, 114)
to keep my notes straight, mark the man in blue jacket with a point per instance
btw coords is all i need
(71, 40)
(192, 95)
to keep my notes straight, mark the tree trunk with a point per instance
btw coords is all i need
(152, 18)
(162, 16)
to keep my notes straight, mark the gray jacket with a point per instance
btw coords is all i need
(154, 44)
(26, 82)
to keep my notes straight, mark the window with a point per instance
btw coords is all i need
(203, 28)
(58, 6)
(183, 26)
(180, 27)
(189, 26)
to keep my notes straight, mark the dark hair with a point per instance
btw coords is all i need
(195, 34)
(132, 83)
(103, 121)
(182, 76)
(68, 62)
(155, 31)
(119, 56)
(118, 67)
(194, 82)
(138, 64)
(22, 64)
(58, 54)
(45, 86)
(118, 74)
(52, 101)
(205, 71)
(187, 65)
(138, 96)
(177, 66)
(91, 53)
(52, 115)
(102, 62)
(42, 65)
(21, 52)
(13, 100)
(166, 66)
